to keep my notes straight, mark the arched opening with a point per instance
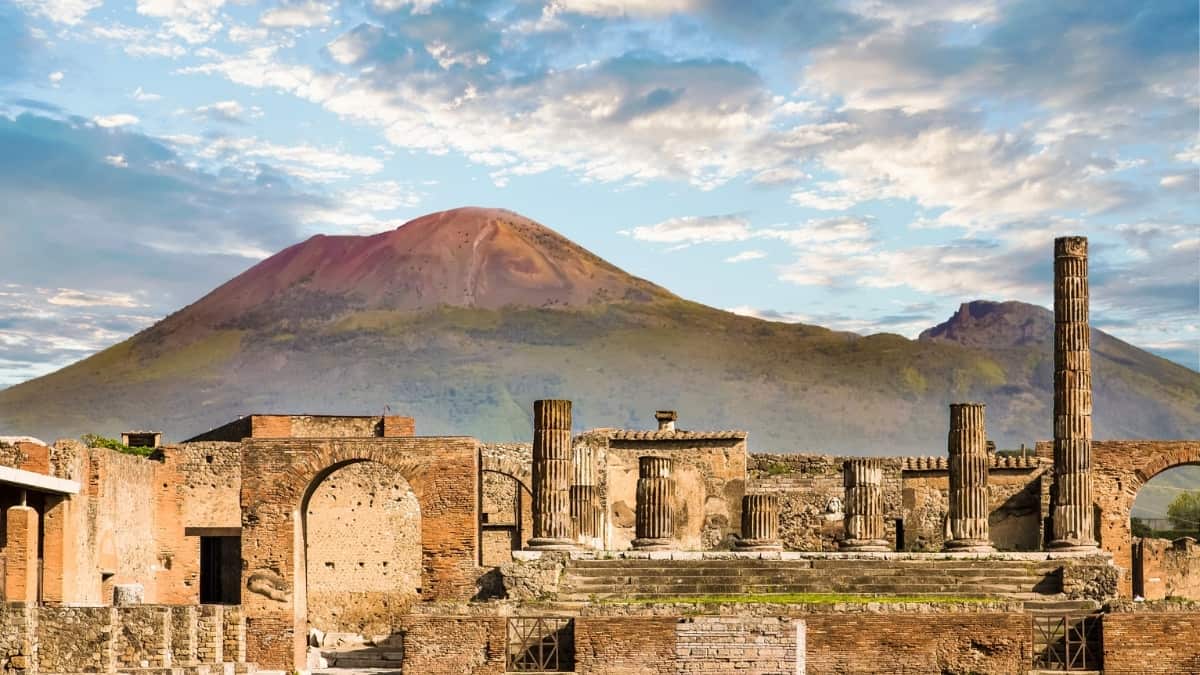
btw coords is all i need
(506, 516)
(362, 552)
(1165, 525)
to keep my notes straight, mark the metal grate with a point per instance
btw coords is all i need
(1066, 642)
(542, 644)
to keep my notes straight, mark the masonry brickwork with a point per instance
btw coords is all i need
(1137, 642)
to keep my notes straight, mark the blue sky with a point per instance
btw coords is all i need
(862, 165)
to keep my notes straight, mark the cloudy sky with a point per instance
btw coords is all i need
(865, 165)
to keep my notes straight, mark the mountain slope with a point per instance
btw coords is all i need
(464, 317)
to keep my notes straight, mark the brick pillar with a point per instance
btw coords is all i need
(586, 514)
(58, 551)
(863, 479)
(21, 555)
(760, 523)
(552, 475)
(655, 514)
(1072, 508)
(969, 500)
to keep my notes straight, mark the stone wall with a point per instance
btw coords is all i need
(364, 550)
(507, 510)
(310, 426)
(108, 639)
(811, 493)
(1015, 502)
(454, 645)
(743, 645)
(625, 645)
(1151, 642)
(1167, 569)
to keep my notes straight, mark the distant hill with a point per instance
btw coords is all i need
(462, 318)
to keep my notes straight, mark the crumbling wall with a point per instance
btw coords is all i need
(811, 493)
(454, 645)
(506, 514)
(364, 549)
(625, 645)
(1168, 569)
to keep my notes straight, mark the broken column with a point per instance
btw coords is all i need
(863, 479)
(552, 475)
(586, 514)
(969, 459)
(655, 516)
(666, 419)
(1072, 506)
(760, 523)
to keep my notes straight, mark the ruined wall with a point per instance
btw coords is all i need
(710, 479)
(1167, 569)
(454, 645)
(310, 426)
(506, 512)
(625, 645)
(18, 637)
(744, 645)
(1150, 641)
(364, 550)
(811, 491)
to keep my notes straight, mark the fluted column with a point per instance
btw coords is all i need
(969, 501)
(655, 504)
(586, 513)
(1072, 509)
(552, 475)
(760, 523)
(863, 479)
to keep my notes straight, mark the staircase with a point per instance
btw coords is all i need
(650, 579)
(381, 653)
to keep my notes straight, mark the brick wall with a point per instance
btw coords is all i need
(1167, 569)
(625, 645)
(743, 645)
(1151, 642)
(454, 645)
(996, 642)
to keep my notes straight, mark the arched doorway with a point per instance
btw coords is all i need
(362, 533)
(506, 516)
(1166, 512)
(1120, 470)
(279, 476)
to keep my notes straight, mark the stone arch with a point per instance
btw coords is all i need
(1120, 469)
(513, 469)
(278, 477)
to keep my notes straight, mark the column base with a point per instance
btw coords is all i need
(758, 545)
(969, 546)
(864, 545)
(653, 544)
(551, 544)
(1072, 545)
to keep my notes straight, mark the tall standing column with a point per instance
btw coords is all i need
(863, 479)
(969, 501)
(760, 523)
(552, 474)
(586, 514)
(1072, 509)
(655, 514)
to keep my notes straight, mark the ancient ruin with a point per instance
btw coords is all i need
(305, 542)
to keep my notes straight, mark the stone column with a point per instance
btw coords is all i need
(552, 475)
(863, 479)
(21, 570)
(760, 523)
(1072, 508)
(586, 514)
(655, 504)
(970, 504)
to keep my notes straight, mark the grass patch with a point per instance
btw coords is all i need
(796, 598)
(94, 441)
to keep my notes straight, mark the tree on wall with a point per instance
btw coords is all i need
(1184, 511)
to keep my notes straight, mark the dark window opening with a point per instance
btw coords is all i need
(220, 570)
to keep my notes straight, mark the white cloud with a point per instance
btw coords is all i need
(56, 77)
(193, 20)
(117, 161)
(164, 49)
(308, 14)
(69, 297)
(69, 12)
(417, 6)
(117, 120)
(693, 230)
(622, 7)
(302, 161)
(140, 94)
(228, 111)
(1178, 181)
(245, 34)
(745, 256)
(822, 201)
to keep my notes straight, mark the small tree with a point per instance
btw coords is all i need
(1184, 511)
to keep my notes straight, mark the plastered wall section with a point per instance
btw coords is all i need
(710, 479)
(1168, 569)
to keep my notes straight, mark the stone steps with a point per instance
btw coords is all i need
(641, 578)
